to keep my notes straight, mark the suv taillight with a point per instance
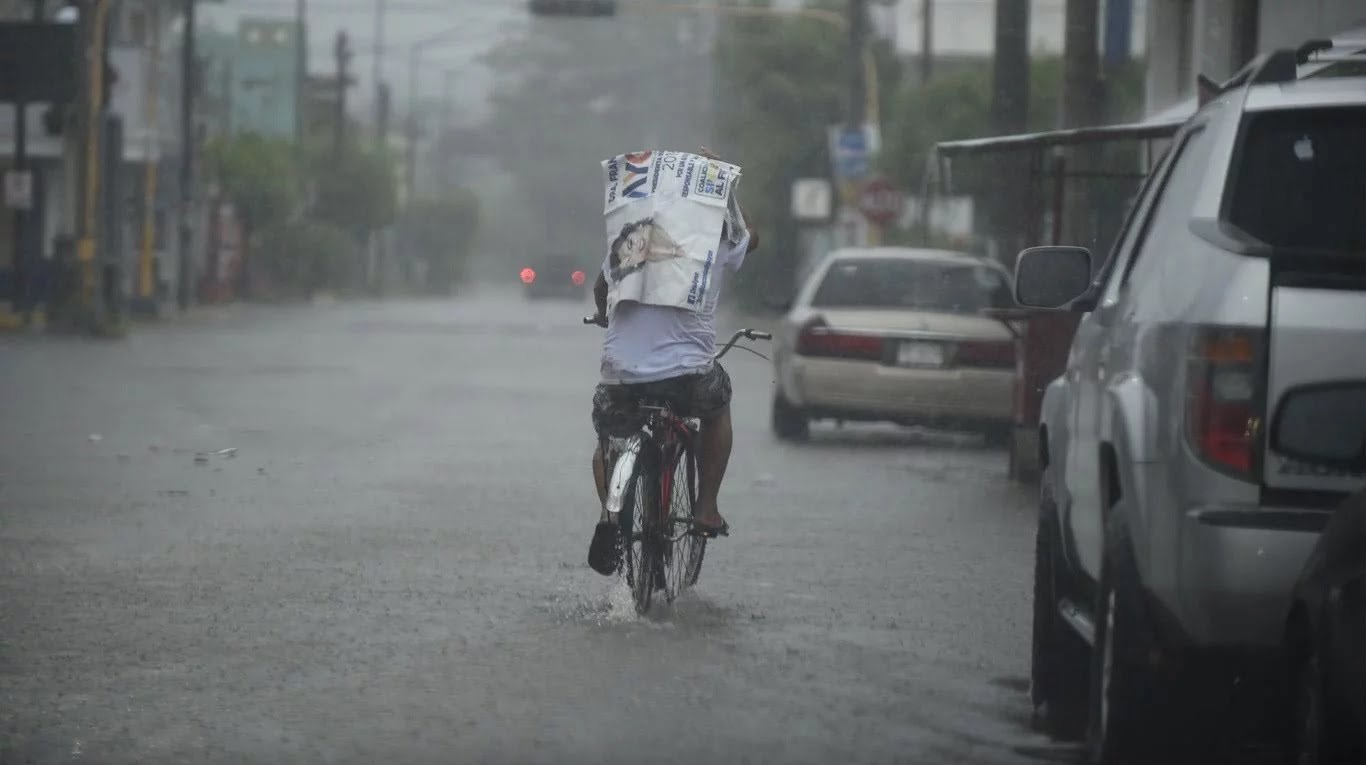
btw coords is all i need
(1222, 417)
(818, 339)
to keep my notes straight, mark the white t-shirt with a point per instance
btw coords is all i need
(647, 343)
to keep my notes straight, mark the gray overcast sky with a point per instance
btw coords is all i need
(480, 26)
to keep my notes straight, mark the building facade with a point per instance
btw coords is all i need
(1217, 37)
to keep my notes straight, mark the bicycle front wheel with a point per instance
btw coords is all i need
(641, 550)
(685, 549)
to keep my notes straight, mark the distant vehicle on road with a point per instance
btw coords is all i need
(900, 335)
(556, 276)
(1172, 527)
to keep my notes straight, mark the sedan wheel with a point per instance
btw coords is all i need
(789, 422)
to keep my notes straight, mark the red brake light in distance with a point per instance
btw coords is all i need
(818, 339)
(528, 275)
(1221, 408)
(577, 278)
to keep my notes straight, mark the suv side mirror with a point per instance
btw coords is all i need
(1052, 277)
(1323, 425)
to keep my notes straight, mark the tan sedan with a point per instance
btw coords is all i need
(900, 335)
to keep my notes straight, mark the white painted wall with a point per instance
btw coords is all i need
(967, 28)
(1287, 23)
(1203, 33)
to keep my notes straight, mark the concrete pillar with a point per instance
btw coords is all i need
(1163, 86)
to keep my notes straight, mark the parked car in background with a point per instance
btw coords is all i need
(899, 335)
(557, 276)
(1171, 528)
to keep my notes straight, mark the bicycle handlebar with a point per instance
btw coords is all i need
(748, 334)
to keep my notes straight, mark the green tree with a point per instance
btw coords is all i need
(355, 190)
(304, 256)
(440, 232)
(780, 84)
(259, 175)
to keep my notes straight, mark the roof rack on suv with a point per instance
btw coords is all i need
(1282, 65)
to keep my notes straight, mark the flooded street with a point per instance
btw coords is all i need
(357, 533)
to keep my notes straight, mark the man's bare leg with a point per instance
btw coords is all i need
(600, 478)
(713, 456)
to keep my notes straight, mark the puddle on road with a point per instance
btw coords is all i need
(615, 607)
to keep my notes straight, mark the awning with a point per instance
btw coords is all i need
(1036, 148)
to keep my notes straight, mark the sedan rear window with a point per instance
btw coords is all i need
(912, 284)
(1301, 179)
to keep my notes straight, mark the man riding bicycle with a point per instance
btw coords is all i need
(665, 353)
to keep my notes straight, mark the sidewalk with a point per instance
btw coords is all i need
(10, 321)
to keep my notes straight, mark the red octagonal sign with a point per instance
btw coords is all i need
(880, 201)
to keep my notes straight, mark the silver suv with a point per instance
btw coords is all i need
(1170, 531)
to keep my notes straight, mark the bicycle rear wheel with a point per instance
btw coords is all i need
(685, 550)
(639, 524)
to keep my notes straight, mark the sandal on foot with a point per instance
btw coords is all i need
(710, 532)
(603, 552)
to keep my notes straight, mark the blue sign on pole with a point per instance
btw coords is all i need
(849, 152)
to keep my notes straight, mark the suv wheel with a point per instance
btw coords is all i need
(1323, 729)
(1125, 706)
(1060, 659)
(789, 422)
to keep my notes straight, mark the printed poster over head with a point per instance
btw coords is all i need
(666, 212)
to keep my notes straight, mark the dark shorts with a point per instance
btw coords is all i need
(616, 408)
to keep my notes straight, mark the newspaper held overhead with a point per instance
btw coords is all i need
(666, 212)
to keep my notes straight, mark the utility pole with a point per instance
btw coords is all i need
(1010, 68)
(926, 39)
(377, 75)
(342, 51)
(24, 256)
(300, 72)
(1081, 107)
(146, 298)
(383, 108)
(1007, 210)
(858, 38)
(1081, 65)
(188, 77)
(857, 117)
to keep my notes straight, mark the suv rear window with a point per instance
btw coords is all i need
(1300, 181)
(918, 285)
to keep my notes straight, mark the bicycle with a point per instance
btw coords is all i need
(651, 490)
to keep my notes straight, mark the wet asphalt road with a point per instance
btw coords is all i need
(391, 565)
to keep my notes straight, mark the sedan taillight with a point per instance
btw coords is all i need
(818, 339)
(1222, 420)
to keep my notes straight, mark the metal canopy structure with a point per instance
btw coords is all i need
(1046, 336)
(1140, 131)
(1043, 153)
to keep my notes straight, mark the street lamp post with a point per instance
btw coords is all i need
(187, 150)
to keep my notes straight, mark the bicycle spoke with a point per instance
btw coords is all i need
(684, 550)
